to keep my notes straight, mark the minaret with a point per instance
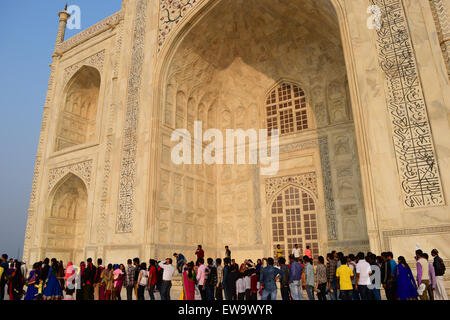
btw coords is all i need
(63, 17)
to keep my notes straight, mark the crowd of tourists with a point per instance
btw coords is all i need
(336, 277)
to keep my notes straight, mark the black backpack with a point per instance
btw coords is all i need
(212, 277)
(439, 267)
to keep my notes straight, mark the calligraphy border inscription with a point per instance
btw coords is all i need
(129, 149)
(412, 137)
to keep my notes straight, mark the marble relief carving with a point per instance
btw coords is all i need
(81, 169)
(413, 141)
(129, 148)
(91, 32)
(307, 181)
(328, 188)
(95, 60)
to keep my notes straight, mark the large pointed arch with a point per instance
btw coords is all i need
(66, 218)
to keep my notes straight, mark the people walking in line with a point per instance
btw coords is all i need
(355, 276)
(406, 286)
(295, 277)
(268, 278)
(345, 274)
(168, 272)
(284, 279)
(129, 279)
(142, 281)
(219, 286)
(439, 269)
(309, 277)
(321, 279)
(363, 272)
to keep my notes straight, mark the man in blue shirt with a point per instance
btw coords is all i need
(295, 277)
(268, 278)
(392, 284)
(181, 261)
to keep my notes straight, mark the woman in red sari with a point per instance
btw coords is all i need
(189, 277)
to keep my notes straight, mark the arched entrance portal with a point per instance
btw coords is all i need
(294, 221)
(252, 65)
(65, 223)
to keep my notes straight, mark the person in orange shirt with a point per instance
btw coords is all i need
(308, 252)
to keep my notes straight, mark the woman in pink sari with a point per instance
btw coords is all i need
(119, 276)
(189, 277)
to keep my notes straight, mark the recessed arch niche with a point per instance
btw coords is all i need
(65, 219)
(78, 113)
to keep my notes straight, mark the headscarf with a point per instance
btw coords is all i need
(70, 271)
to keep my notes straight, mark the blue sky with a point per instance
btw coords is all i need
(27, 35)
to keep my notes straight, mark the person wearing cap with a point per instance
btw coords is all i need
(439, 269)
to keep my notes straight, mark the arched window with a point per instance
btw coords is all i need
(294, 221)
(77, 119)
(286, 109)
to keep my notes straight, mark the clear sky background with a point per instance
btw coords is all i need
(28, 31)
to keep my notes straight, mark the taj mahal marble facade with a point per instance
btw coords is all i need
(364, 116)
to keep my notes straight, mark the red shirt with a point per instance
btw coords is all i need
(254, 283)
(200, 253)
(152, 275)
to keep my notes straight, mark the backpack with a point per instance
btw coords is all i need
(211, 281)
(439, 267)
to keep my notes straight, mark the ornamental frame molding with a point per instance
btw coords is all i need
(108, 23)
(96, 60)
(307, 181)
(82, 169)
(387, 235)
(417, 165)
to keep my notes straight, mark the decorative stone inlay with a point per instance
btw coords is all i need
(129, 149)
(104, 25)
(299, 146)
(171, 12)
(328, 188)
(96, 61)
(306, 180)
(81, 169)
(413, 142)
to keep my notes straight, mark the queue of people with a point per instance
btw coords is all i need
(302, 276)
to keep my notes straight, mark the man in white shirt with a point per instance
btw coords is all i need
(169, 270)
(363, 271)
(296, 252)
